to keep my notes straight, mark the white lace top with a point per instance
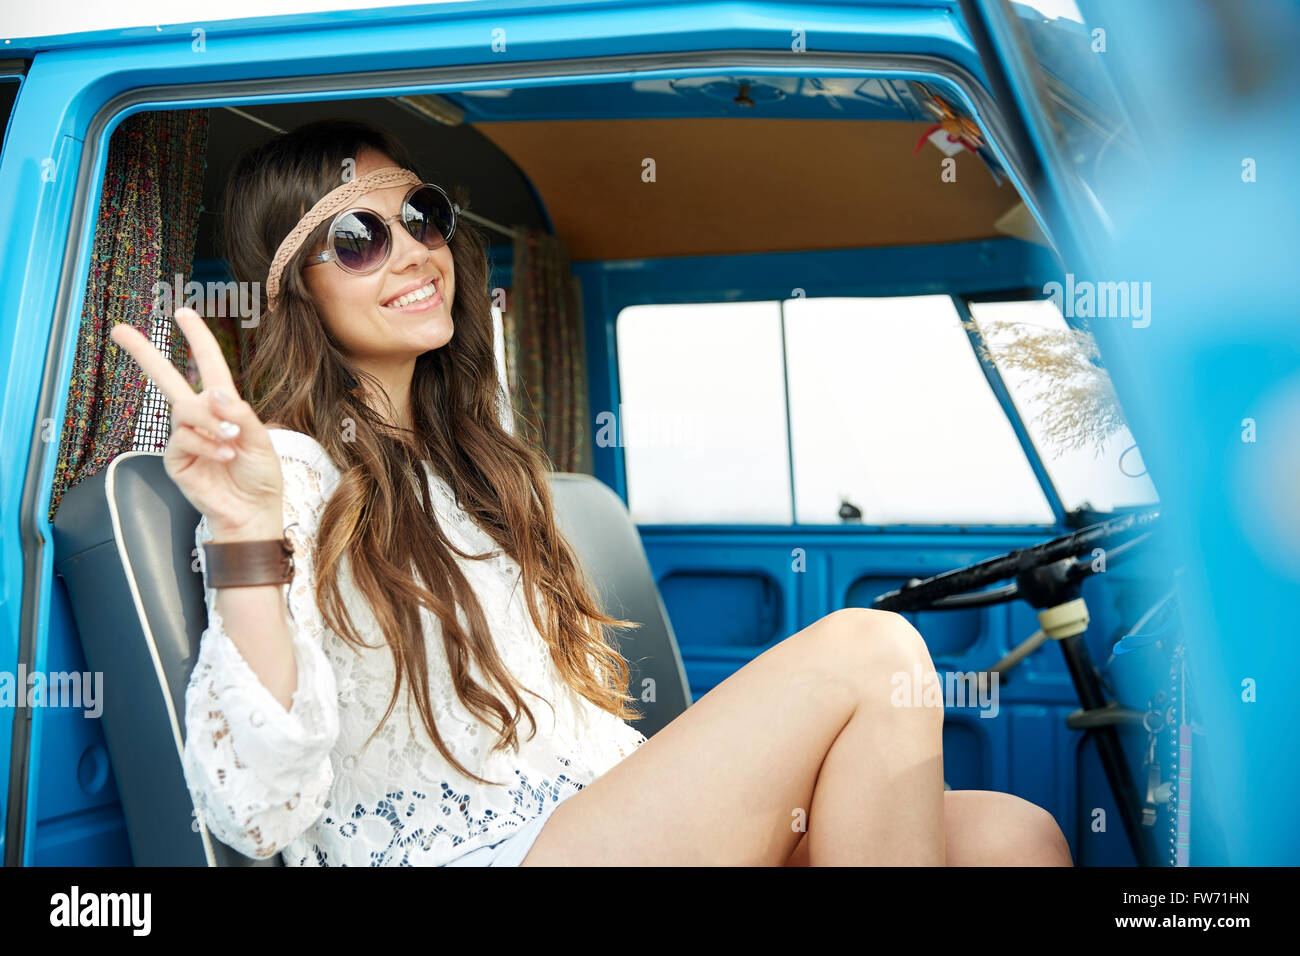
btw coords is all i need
(265, 780)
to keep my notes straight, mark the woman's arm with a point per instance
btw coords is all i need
(262, 704)
(255, 618)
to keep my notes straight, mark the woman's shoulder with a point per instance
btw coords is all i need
(299, 446)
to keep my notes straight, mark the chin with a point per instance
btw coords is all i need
(431, 343)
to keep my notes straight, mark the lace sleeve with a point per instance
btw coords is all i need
(626, 737)
(259, 775)
(611, 739)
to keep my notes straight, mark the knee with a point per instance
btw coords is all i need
(1032, 837)
(990, 828)
(876, 638)
(880, 648)
(1050, 848)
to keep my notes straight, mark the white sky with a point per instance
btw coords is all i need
(1054, 9)
(888, 405)
(54, 17)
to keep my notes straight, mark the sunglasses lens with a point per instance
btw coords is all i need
(360, 241)
(428, 217)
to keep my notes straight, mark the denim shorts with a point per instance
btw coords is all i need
(511, 850)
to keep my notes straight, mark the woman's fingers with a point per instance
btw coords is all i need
(198, 412)
(156, 365)
(207, 355)
(213, 370)
(207, 414)
(237, 421)
(186, 439)
(215, 425)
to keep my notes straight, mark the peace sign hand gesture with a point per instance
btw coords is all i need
(219, 454)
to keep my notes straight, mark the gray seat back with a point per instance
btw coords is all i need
(124, 547)
(598, 525)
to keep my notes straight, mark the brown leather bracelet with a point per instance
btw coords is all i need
(246, 564)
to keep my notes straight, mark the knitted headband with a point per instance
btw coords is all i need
(330, 204)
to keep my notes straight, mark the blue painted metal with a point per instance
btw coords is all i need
(1216, 360)
(918, 26)
(72, 77)
(28, 291)
(844, 567)
(79, 818)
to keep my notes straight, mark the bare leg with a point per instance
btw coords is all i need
(728, 780)
(987, 828)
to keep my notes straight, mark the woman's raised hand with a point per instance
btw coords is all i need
(219, 454)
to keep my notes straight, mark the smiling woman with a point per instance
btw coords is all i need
(387, 458)
(358, 300)
(374, 382)
(768, 311)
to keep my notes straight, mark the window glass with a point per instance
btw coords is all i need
(1067, 403)
(702, 415)
(891, 413)
(1080, 104)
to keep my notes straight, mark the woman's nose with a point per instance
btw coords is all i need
(406, 248)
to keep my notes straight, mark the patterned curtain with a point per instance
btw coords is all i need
(546, 352)
(145, 234)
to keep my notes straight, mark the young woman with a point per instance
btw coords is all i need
(372, 714)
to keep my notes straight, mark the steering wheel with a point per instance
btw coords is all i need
(1048, 575)
(1044, 575)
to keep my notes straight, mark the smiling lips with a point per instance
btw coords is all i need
(423, 296)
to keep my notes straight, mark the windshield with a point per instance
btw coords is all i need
(1090, 128)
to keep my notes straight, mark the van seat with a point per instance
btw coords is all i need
(124, 547)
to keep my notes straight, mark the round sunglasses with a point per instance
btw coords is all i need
(360, 240)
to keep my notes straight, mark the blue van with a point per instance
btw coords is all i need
(982, 311)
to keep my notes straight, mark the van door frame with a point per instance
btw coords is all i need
(34, 526)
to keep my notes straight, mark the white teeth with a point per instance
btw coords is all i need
(428, 292)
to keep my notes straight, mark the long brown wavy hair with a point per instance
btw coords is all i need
(381, 515)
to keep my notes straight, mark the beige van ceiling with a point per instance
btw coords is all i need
(747, 185)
